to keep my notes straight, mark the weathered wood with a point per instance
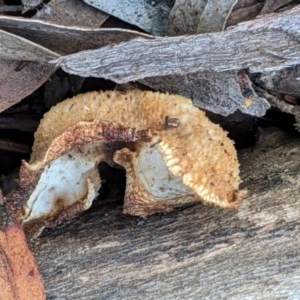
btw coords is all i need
(266, 44)
(199, 252)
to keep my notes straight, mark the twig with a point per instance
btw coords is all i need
(280, 104)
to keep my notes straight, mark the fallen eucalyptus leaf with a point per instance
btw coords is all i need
(19, 275)
(64, 39)
(246, 3)
(72, 13)
(16, 85)
(214, 15)
(244, 11)
(184, 16)
(272, 5)
(171, 151)
(199, 16)
(18, 48)
(149, 15)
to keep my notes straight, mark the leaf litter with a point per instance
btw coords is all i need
(59, 36)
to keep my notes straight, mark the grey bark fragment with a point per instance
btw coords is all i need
(213, 91)
(219, 93)
(270, 43)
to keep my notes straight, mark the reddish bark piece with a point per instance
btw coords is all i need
(19, 275)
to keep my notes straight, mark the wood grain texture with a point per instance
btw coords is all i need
(266, 44)
(198, 252)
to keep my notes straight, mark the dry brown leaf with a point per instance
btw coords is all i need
(151, 16)
(184, 16)
(19, 275)
(199, 16)
(214, 15)
(64, 39)
(244, 13)
(72, 13)
(246, 3)
(16, 85)
(15, 47)
(272, 5)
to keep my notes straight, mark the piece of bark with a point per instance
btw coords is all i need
(197, 252)
(283, 82)
(279, 103)
(266, 44)
(218, 92)
(19, 275)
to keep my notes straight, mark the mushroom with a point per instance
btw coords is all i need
(173, 154)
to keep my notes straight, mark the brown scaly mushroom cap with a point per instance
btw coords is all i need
(176, 156)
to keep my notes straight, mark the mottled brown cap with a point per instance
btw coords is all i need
(170, 135)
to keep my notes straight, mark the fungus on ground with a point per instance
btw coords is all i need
(173, 154)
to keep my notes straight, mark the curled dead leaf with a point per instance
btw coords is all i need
(19, 275)
(172, 152)
(40, 40)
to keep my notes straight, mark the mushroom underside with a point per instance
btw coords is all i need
(70, 183)
(150, 185)
(171, 152)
